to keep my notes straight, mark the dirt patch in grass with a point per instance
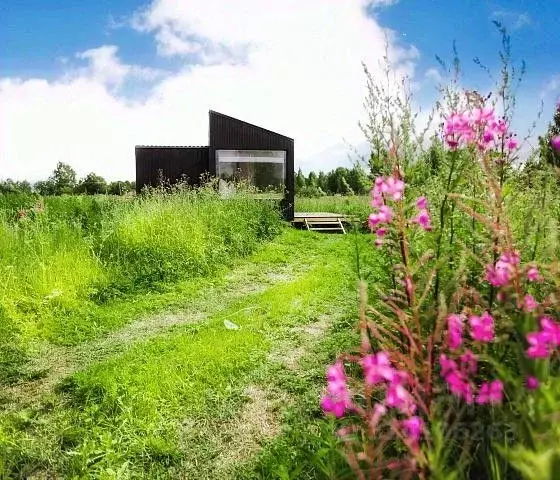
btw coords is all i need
(291, 355)
(257, 422)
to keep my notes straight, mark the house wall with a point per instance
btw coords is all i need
(174, 163)
(225, 133)
(229, 133)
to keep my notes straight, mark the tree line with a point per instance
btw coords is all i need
(340, 181)
(64, 180)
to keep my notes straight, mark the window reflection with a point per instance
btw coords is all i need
(264, 170)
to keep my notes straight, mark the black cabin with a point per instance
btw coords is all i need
(237, 151)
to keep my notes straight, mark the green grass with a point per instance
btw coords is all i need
(348, 205)
(179, 404)
(72, 266)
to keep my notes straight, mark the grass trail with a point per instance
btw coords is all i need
(52, 362)
(178, 395)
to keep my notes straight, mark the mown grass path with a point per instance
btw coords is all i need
(179, 395)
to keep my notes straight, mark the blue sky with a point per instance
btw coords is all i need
(433, 25)
(149, 71)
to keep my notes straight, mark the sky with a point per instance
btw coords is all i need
(84, 82)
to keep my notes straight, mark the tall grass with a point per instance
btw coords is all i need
(355, 205)
(62, 257)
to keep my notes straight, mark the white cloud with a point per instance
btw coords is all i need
(291, 66)
(513, 20)
(551, 86)
(106, 68)
(433, 75)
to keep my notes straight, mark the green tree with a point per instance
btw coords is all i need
(45, 187)
(92, 184)
(63, 179)
(14, 186)
(300, 181)
(120, 187)
(322, 182)
(358, 180)
(548, 155)
(345, 188)
(377, 162)
(312, 180)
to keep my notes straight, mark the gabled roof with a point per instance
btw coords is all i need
(213, 112)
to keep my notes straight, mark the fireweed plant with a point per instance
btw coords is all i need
(489, 349)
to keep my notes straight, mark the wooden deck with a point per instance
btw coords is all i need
(322, 221)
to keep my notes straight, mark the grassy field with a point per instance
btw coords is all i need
(181, 395)
(77, 267)
(351, 205)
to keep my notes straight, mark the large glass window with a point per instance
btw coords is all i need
(265, 170)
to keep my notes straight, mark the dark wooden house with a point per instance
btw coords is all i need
(237, 151)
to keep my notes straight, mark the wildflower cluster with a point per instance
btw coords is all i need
(459, 372)
(423, 218)
(384, 188)
(545, 341)
(337, 401)
(392, 189)
(500, 274)
(478, 127)
(395, 386)
(379, 373)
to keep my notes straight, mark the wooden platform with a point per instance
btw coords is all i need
(321, 221)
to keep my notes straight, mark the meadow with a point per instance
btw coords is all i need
(168, 337)
(70, 264)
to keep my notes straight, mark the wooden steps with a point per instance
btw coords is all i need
(324, 224)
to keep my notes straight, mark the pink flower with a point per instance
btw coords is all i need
(483, 115)
(337, 400)
(378, 411)
(455, 330)
(512, 143)
(552, 330)
(555, 142)
(533, 274)
(469, 362)
(490, 392)
(530, 303)
(500, 127)
(381, 232)
(543, 342)
(488, 136)
(459, 386)
(413, 428)
(532, 383)
(422, 203)
(538, 345)
(447, 365)
(451, 142)
(482, 328)
(377, 368)
(511, 257)
(385, 214)
(424, 220)
(393, 187)
(456, 379)
(397, 396)
(500, 274)
(377, 200)
(378, 242)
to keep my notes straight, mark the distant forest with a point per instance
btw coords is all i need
(64, 180)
